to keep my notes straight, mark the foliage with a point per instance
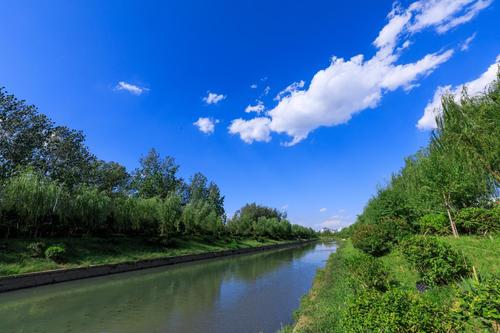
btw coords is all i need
(479, 303)
(366, 272)
(261, 221)
(36, 249)
(434, 224)
(156, 176)
(55, 253)
(395, 311)
(89, 211)
(475, 220)
(169, 213)
(28, 201)
(436, 261)
(372, 239)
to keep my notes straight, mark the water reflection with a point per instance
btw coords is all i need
(249, 293)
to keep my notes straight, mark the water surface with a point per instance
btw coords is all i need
(246, 293)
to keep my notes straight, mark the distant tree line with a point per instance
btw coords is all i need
(52, 185)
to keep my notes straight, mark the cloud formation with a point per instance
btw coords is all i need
(258, 108)
(206, 125)
(465, 45)
(347, 87)
(213, 98)
(336, 222)
(256, 129)
(474, 88)
(131, 88)
(322, 210)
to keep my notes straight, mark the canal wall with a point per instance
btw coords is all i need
(30, 280)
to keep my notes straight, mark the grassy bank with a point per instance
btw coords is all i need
(16, 258)
(324, 308)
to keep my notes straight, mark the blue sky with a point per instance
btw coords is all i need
(137, 74)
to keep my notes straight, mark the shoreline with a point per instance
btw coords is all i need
(36, 279)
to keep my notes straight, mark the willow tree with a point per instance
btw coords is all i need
(473, 125)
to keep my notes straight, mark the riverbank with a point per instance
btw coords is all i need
(145, 255)
(326, 307)
(16, 258)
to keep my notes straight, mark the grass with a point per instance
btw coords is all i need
(322, 309)
(82, 252)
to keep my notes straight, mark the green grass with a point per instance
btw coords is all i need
(82, 252)
(322, 309)
(483, 252)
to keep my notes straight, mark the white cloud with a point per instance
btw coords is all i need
(289, 90)
(258, 108)
(335, 222)
(256, 129)
(253, 86)
(322, 210)
(206, 125)
(465, 45)
(131, 88)
(347, 87)
(474, 87)
(267, 89)
(444, 14)
(213, 98)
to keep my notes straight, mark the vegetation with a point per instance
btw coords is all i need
(16, 256)
(52, 186)
(431, 233)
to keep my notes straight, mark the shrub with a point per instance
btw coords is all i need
(367, 272)
(395, 311)
(435, 260)
(478, 303)
(55, 253)
(371, 239)
(36, 249)
(478, 220)
(437, 224)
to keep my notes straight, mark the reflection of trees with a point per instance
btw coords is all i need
(135, 302)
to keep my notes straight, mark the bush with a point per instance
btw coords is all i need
(55, 253)
(371, 239)
(395, 311)
(479, 304)
(367, 272)
(36, 249)
(435, 260)
(436, 224)
(478, 220)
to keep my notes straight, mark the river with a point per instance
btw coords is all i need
(246, 293)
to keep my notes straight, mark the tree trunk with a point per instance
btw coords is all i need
(448, 210)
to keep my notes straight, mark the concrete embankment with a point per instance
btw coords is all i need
(14, 282)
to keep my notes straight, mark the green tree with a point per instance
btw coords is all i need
(472, 125)
(110, 177)
(156, 176)
(64, 157)
(23, 132)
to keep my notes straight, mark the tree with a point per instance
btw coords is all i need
(156, 176)
(457, 181)
(472, 124)
(23, 132)
(110, 177)
(64, 157)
